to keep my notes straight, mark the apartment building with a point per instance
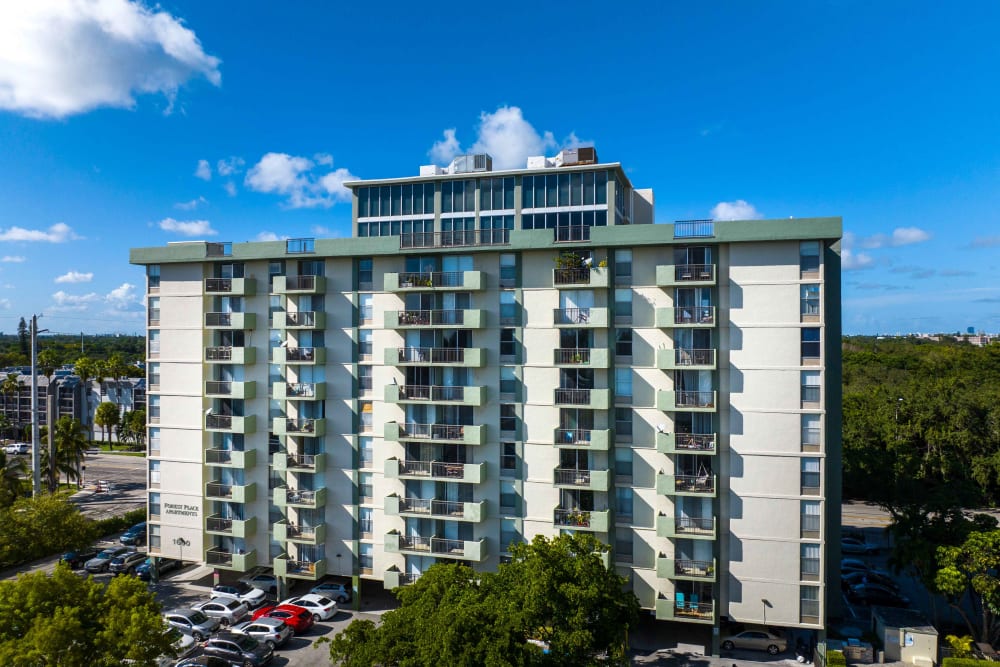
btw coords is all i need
(71, 397)
(495, 355)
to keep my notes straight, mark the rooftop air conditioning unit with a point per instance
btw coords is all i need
(580, 155)
(465, 164)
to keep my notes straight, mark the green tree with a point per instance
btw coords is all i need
(24, 337)
(42, 526)
(49, 360)
(86, 369)
(10, 388)
(132, 429)
(969, 572)
(69, 621)
(554, 591)
(107, 417)
(71, 447)
(12, 472)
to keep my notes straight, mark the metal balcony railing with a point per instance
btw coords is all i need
(218, 490)
(571, 477)
(300, 354)
(694, 568)
(579, 276)
(692, 229)
(431, 317)
(573, 436)
(694, 357)
(301, 460)
(567, 234)
(300, 318)
(219, 353)
(440, 545)
(694, 314)
(300, 282)
(432, 469)
(222, 388)
(300, 390)
(701, 442)
(300, 425)
(434, 507)
(695, 525)
(301, 496)
(218, 319)
(695, 399)
(219, 285)
(423, 392)
(571, 315)
(432, 279)
(432, 431)
(432, 355)
(217, 556)
(572, 397)
(694, 272)
(219, 421)
(219, 456)
(573, 355)
(695, 483)
(219, 524)
(577, 518)
(298, 531)
(462, 237)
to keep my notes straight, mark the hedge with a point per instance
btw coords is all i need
(835, 659)
(117, 524)
(966, 662)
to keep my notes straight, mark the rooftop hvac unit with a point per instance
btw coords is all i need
(580, 155)
(465, 164)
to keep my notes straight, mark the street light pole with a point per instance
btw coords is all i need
(36, 454)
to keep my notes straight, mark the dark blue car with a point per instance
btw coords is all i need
(134, 536)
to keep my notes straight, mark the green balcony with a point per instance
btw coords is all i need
(686, 485)
(687, 401)
(685, 275)
(306, 356)
(579, 438)
(577, 357)
(290, 532)
(219, 525)
(422, 393)
(575, 278)
(301, 428)
(435, 319)
(217, 389)
(685, 317)
(300, 319)
(286, 497)
(685, 359)
(686, 611)
(595, 399)
(685, 570)
(436, 509)
(228, 560)
(438, 547)
(393, 579)
(590, 480)
(239, 356)
(231, 286)
(468, 357)
(471, 434)
(231, 423)
(686, 443)
(230, 320)
(230, 458)
(686, 527)
(471, 473)
(580, 318)
(299, 391)
(446, 281)
(592, 520)
(233, 493)
(284, 566)
(298, 285)
(312, 463)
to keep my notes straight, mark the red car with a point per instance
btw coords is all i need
(297, 618)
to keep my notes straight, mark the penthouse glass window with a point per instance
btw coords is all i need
(809, 256)
(365, 273)
(153, 276)
(410, 229)
(495, 228)
(458, 196)
(496, 194)
(564, 189)
(564, 220)
(394, 200)
(810, 343)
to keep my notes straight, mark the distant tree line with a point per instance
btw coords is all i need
(15, 349)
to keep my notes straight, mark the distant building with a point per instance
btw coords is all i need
(67, 391)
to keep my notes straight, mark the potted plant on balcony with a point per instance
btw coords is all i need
(569, 260)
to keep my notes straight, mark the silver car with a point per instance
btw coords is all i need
(229, 611)
(270, 631)
(756, 640)
(192, 622)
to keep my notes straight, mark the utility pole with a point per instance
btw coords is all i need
(36, 457)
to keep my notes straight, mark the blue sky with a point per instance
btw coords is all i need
(126, 125)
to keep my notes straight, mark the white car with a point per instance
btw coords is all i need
(252, 597)
(271, 631)
(265, 581)
(322, 608)
(334, 591)
(228, 610)
(17, 448)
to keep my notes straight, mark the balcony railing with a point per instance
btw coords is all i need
(572, 355)
(433, 355)
(219, 421)
(299, 283)
(296, 531)
(571, 315)
(301, 460)
(433, 507)
(566, 234)
(217, 556)
(694, 357)
(220, 319)
(570, 477)
(300, 390)
(219, 524)
(300, 425)
(694, 525)
(694, 314)
(300, 354)
(432, 431)
(694, 272)
(573, 436)
(572, 518)
(423, 392)
(432, 279)
(432, 469)
(220, 388)
(572, 397)
(301, 496)
(219, 456)
(224, 249)
(219, 353)
(218, 490)
(431, 317)
(694, 229)
(700, 442)
(223, 285)
(579, 276)
(694, 568)
(695, 483)
(695, 399)
(301, 318)
(456, 238)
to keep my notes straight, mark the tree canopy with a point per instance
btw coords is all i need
(63, 619)
(38, 527)
(555, 593)
(970, 571)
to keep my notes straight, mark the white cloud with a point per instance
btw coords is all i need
(203, 170)
(270, 236)
(320, 230)
(73, 302)
(191, 205)
(740, 209)
(60, 58)
(233, 165)
(506, 136)
(985, 242)
(57, 233)
(13, 259)
(5, 304)
(851, 261)
(900, 236)
(187, 228)
(293, 177)
(123, 297)
(230, 188)
(75, 277)
(324, 159)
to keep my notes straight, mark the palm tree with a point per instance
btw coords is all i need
(12, 470)
(86, 369)
(11, 386)
(71, 447)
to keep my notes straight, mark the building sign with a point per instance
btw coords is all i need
(181, 510)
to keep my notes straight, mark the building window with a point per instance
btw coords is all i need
(508, 308)
(508, 382)
(366, 455)
(154, 409)
(508, 498)
(153, 376)
(154, 442)
(623, 424)
(365, 273)
(366, 525)
(623, 462)
(458, 196)
(508, 534)
(154, 474)
(365, 313)
(624, 500)
(508, 418)
(810, 344)
(275, 268)
(810, 519)
(365, 416)
(508, 459)
(153, 276)
(496, 194)
(623, 267)
(365, 380)
(365, 345)
(623, 342)
(508, 270)
(566, 189)
(809, 257)
(809, 604)
(623, 545)
(623, 385)
(810, 388)
(154, 310)
(366, 491)
(623, 306)
(811, 433)
(366, 558)
(508, 344)
(154, 506)
(810, 302)
(154, 342)
(154, 536)
(810, 476)
(809, 562)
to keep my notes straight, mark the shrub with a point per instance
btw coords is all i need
(965, 662)
(835, 659)
(116, 524)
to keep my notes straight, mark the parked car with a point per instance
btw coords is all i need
(126, 563)
(101, 561)
(21, 448)
(245, 593)
(263, 580)
(858, 565)
(271, 631)
(756, 640)
(134, 536)
(76, 559)
(333, 590)
(869, 594)
(853, 545)
(192, 622)
(166, 565)
(298, 618)
(849, 579)
(238, 649)
(321, 607)
(204, 661)
(227, 610)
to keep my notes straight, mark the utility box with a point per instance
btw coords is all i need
(906, 635)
